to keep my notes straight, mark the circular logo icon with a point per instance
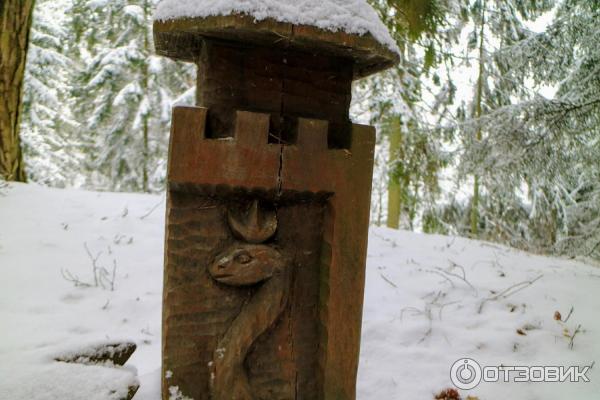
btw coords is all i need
(466, 374)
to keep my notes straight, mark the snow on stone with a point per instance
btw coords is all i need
(422, 304)
(27, 378)
(351, 16)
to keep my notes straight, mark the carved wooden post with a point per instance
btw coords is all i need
(268, 208)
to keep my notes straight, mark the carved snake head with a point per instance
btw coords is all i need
(246, 264)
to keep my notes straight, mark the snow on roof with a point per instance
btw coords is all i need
(350, 16)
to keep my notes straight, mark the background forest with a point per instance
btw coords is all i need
(489, 127)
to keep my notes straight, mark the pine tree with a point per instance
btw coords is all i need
(50, 143)
(492, 25)
(396, 101)
(551, 142)
(126, 94)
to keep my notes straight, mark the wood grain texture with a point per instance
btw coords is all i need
(279, 82)
(15, 24)
(272, 127)
(246, 265)
(322, 198)
(201, 315)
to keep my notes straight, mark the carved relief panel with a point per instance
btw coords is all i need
(265, 249)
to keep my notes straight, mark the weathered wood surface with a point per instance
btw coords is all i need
(182, 39)
(283, 358)
(273, 367)
(321, 196)
(254, 225)
(248, 263)
(263, 264)
(15, 24)
(281, 83)
(273, 128)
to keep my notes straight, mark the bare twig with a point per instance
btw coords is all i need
(68, 276)
(569, 315)
(485, 244)
(151, 210)
(102, 277)
(442, 275)
(591, 252)
(454, 265)
(427, 312)
(113, 276)
(94, 262)
(415, 311)
(388, 281)
(572, 341)
(427, 334)
(447, 274)
(511, 290)
(106, 278)
(462, 278)
(442, 306)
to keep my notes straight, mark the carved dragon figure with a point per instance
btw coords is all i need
(247, 264)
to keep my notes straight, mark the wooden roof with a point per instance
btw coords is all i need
(181, 39)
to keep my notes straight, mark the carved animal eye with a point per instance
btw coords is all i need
(243, 258)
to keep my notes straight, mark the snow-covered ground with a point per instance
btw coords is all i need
(430, 300)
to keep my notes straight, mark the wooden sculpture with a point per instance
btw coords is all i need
(246, 265)
(269, 189)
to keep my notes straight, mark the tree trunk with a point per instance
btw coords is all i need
(145, 80)
(478, 113)
(15, 24)
(394, 189)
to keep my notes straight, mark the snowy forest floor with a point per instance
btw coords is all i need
(430, 300)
